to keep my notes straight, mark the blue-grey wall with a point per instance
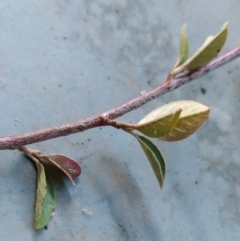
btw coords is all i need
(63, 60)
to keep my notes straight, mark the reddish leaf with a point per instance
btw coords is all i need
(68, 166)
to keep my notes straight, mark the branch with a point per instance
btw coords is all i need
(16, 141)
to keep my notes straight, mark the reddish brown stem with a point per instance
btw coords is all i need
(16, 141)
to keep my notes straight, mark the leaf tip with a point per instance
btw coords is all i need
(184, 27)
(225, 25)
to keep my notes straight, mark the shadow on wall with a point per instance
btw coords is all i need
(124, 201)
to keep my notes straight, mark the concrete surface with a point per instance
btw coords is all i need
(63, 60)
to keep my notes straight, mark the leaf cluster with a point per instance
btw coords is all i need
(171, 122)
(178, 120)
(45, 193)
(208, 51)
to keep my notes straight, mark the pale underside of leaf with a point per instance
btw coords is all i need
(67, 165)
(183, 48)
(210, 49)
(48, 206)
(193, 115)
(154, 157)
(159, 123)
(41, 191)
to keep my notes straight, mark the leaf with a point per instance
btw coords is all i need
(155, 158)
(210, 49)
(41, 191)
(68, 166)
(45, 198)
(48, 206)
(159, 122)
(183, 48)
(192, 117)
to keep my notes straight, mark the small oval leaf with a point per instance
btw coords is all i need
(48, 206)
(210, 49)
(183, 48)
(68, 166)
(154, 157)
(193, 115)
(159, 122)
(41, 191)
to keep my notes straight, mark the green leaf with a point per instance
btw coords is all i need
(159, 122)
(193, 115)
(48, 206)
(210, 49)
(68, 166)
(45, 198)
(41, 191)
(183, 48)
(155, 158)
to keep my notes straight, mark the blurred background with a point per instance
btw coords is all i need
(61, 61)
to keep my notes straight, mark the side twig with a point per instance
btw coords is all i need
(16, 141)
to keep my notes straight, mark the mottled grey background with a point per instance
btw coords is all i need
(63, 60)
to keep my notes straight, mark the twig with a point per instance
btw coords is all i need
(16, 141)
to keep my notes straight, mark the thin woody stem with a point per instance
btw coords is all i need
(16, 141)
